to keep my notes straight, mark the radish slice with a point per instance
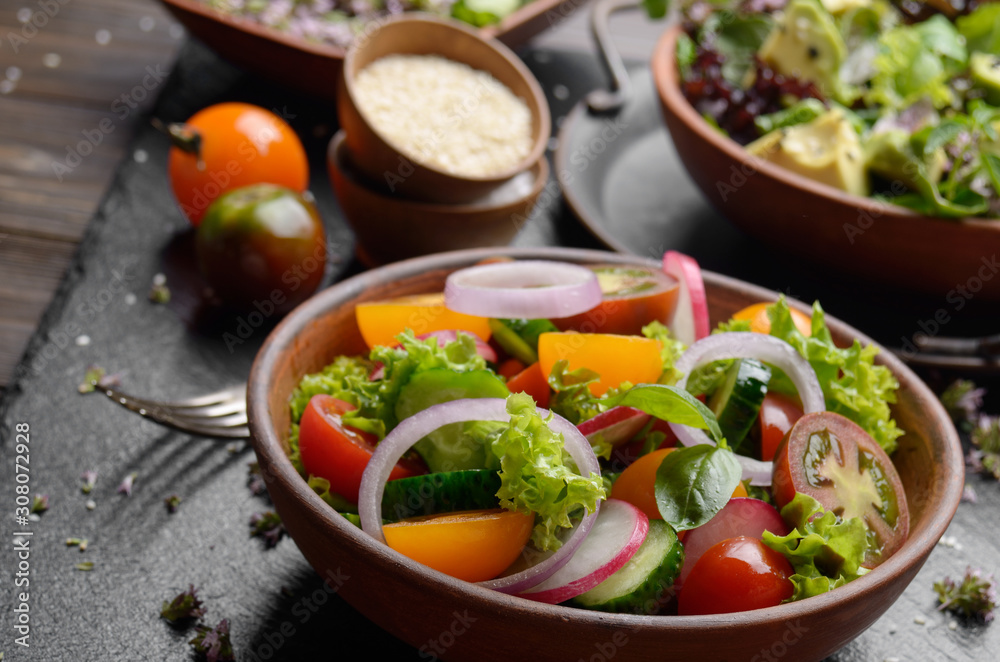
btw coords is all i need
(414, 428)
(530, 289)
(748, 345)
(690, 322)
(741, 516)
(617, 534)
(616, 425)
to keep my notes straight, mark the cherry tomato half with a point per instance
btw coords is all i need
(381, 321)
(761, 323)
(339, 453)
(777, 415)
(833, 460)
(737, 574)
(615, 358)
(633, 297)
(262, 245)
(474, 545)
(230, 145)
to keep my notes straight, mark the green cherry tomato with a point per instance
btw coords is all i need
(262, 246)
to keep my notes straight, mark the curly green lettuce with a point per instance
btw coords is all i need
(853, 385)
(538, 476)
(348, 379)
(824, 550)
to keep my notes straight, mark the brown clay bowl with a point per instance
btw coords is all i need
(880, 242)
(416, 34)
(388, 227)
(314, 68)
(417, 604)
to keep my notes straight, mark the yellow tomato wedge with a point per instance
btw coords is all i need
(381, 321)
(615, 358)
(761, 323)
(637, 484)
(474, 545)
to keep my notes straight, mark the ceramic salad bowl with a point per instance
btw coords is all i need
(417, 604)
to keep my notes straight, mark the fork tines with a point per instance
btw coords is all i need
(221, 414)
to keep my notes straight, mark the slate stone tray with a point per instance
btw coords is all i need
(277, 606)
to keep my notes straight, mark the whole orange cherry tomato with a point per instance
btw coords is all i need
(231, 145)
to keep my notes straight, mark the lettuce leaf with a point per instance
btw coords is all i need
(538, 476)
(917, 61)
(853, 385)
(571, 397)
(671, 349)
(347, 379)
(824, 551)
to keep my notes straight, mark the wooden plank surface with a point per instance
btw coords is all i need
(62, 72)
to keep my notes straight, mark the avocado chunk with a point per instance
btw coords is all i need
(826, 149)
(890, 154)
(806, 44)
(985, 70)
(838, 7)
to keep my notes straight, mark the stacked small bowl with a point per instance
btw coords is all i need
(406, 194)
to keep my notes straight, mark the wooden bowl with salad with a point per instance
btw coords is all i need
(303, 47)
(617, 581)
(803, 125)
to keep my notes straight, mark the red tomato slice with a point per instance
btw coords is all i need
(833, 460)
(533, 382)
(339, 453)
(737, 574)
(633, 297)
(777, 415)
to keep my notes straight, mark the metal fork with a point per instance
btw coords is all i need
(221, 414)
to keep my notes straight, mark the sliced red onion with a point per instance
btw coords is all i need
(530, 289)
(414, 428)
(747, 345)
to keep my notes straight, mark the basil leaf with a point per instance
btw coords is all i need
(694, 483)
(670, 403)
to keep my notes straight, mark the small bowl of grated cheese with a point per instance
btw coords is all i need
(436, 113)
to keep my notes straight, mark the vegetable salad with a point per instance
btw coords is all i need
(548, 458)
(899, 101)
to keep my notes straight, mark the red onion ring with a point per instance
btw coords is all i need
(530, 289)
(414, 428)
(747, 345)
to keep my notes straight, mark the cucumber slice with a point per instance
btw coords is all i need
(447, 492)
(455, 446)
(737, 402)
(644, 584)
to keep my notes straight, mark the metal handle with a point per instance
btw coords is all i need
(609, 101)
